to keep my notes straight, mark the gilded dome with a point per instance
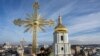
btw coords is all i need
(60, 27)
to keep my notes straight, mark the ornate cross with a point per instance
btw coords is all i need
(34, 23)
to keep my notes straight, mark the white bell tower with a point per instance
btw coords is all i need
(61, 43)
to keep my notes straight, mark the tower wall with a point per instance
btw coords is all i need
(61, 44)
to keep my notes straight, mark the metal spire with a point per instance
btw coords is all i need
(59, 20)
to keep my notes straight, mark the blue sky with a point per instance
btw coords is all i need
(81, 17)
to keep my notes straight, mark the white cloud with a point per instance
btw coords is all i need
(88, 38)
(85, 23)
(65, 10)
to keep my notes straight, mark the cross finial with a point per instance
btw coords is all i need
(59, 20)
(36, 5)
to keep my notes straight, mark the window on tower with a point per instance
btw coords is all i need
(62, 48)
(62, 38)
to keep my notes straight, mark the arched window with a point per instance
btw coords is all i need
(62, 48)
(62, 38)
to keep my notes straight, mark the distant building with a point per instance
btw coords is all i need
(61, 43)
(7, 45)
(2, 50)
(20, 51)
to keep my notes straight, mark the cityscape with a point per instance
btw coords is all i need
(49, 28)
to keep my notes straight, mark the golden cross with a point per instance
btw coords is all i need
(34, 23)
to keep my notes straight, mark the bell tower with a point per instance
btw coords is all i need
(61, 43)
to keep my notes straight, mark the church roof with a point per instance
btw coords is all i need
(60, 27)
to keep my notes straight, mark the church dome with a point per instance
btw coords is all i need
(60, 27)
